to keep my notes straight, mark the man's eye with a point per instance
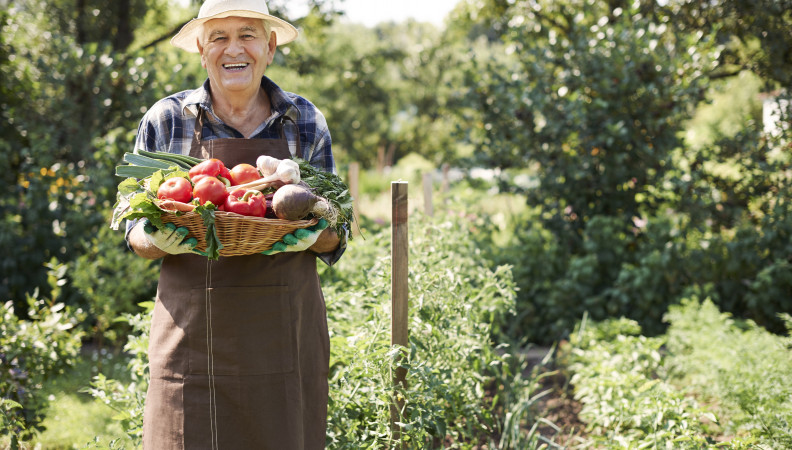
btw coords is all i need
(248, 36)
(220, 38)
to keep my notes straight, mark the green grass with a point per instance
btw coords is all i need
(74, 418)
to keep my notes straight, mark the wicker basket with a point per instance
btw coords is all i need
(240, 235)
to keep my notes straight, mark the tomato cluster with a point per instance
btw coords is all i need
(208, 182)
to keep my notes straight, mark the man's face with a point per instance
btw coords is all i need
(235, 51)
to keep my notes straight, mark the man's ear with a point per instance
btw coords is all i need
(200, 50)
(273, 46)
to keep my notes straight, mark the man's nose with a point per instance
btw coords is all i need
(234, 47)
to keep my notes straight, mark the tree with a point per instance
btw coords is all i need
(593, 96)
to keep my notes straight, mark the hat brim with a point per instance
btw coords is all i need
(187, 37)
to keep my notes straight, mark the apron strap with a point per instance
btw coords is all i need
(198, 131)
(298, 150)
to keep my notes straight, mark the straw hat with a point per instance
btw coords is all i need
(187, 37)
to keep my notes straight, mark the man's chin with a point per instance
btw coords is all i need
(238, 85)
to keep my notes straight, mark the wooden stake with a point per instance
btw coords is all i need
(354, 175)
(444, 185)
(399, 290)
(427, 189)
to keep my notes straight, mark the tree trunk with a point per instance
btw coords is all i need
(80, 21)
(123, 37)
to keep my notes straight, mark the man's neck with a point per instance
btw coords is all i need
(243, 112)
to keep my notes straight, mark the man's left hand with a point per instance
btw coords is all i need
(301, 240)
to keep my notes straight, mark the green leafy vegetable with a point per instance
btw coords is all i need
(331, 187)
(213, 244)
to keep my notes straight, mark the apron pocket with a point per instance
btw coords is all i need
(248, 331)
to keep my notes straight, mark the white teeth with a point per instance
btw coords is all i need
(234, 66)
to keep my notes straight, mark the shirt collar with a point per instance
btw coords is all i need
(281, 103)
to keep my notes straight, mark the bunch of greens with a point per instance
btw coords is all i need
(329, 186)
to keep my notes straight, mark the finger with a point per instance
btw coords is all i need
(170, 227)
(290, 239)
(279, 247)
(182, 231)
(301, 233)
(149, 227)
(322, 224)
(190, 242)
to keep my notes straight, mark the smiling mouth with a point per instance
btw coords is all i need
(235, 66)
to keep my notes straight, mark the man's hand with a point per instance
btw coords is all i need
(171, 240)
(302, 239)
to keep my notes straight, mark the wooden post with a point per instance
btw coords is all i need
(444, 185)
(399, 289)
(427, 190)
(354, 191)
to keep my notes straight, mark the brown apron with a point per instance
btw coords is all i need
(239, 348)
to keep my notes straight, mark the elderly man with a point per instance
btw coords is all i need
(239, 347)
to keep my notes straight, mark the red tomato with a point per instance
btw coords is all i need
(175, 188)
(210, 189)
(212, 167)
(244, 173)
(198, 178)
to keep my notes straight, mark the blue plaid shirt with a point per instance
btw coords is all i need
(170, 125)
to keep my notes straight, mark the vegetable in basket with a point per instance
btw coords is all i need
(145, 174)
(177, 188)
(246, 203)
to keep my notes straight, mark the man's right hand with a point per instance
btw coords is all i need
(171, 240)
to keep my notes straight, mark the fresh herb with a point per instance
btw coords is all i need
(331, 187)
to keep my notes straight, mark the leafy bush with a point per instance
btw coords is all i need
(127, 398)
(451, 362)
(619, 377)
(449, 354)
(32, 352)
(95, 277)
(742, 369)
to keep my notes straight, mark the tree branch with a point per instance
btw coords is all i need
(167, 35)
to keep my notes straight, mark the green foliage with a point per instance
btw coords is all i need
(730, 106)
(126, 397)
(639, 391)
(32, 353)
(95, 276)
(382, 90)
(735, 365)
(594, 97)
(755, 34)
(70, 107)
(619, 377)
(451, 363)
